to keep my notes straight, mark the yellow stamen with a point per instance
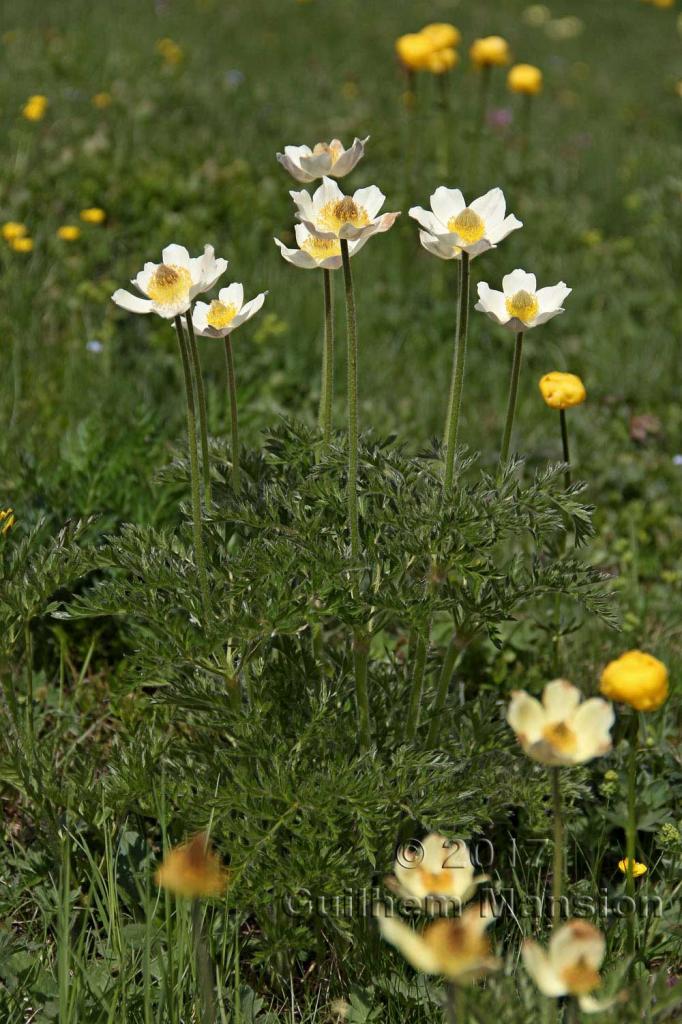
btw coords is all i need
(219, 315)
(468, 225)
(523, 306)
(436, 881)
(334, 215)
(321, 248)
(580, 978)
(169, 284)
(559, 736)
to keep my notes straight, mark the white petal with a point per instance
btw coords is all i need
(518, 281)
(199, 314)
(542, 318)
(447, 203)
(438, 247)
(176, 255)
(298, 257)
(328, 192)
(560, 699)
(410, 944)
(497, 232)
(371, 198)
(575, 941)
(490, 207)
(428, 220)
(141, 280)
(592, 723)
(538, 965)
(492, 302)
(550, 299)
(293, 167)
(248, 310)
(348, 160)
(588, 1004)
(304, 204)
(526, 716)
(133, 303)
(317, 164)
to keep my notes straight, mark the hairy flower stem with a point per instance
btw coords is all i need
(327, 391)
(201, 403)
(631, 827)
(558, 861)
(417, 688)
(442, 691)
(28, 646)
(203, 967)
(564, 442)
(234, 420)
(194, 468)
(511, 401)
(457, 379)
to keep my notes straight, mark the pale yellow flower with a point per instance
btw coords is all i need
(561, 731)
(434, 867)
(570, 966)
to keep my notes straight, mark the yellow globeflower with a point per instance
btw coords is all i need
(193, 870)
(441, 61)
(442, 35)
(34, 108)
(414, 51)
(7, 520)
(69, 232)
(637, 679)
(102, 100)
(490, 51)
(12, 229)
(23, 244)
(525, 79)
(637, 868)
(93, 215)
(562, 390)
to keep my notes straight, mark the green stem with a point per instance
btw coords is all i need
(327, 392)
(28, 645)
(631, 828)
(234, 421)
(360, 663)
(203, 967)
(457, 379)
(352, 334)
(564, 442)
(417, 688)
(455, 1003)
(442, 691)
(201, 403)
(558, 862)
(511, 402)
(194, 468)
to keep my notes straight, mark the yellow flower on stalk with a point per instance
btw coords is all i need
(434, 867)
(102, 100)
(7, 520)
(93, 215)
(561, 731)
(69, 232)
(490, 51)
(442, 61)
(193, 870)
(23, 244)
(525, 79)
(12, 229)
(570, 966)
(442, 35)
(637, 679)
(637, 868)
(414, 51)
(34, 108)
(562, 390)
(456, 947)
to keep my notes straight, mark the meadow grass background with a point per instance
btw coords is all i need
(187, 154)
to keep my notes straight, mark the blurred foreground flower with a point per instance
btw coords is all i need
(34, 108)
(193, 870)
(490, 51)
(637, 868)
(93, 215)
(452, 227)
(520, 306)
(225, 313)
(636, 678)
(12, 229)
(561, 730)
(525, 79)
(329, 214)
(435, 866)
(328, 159)
(69, 232)
(562, 390)
(171, 285)
(570, 966)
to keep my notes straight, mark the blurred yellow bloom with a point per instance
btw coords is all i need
(637, 868)
(7, 519)
(637, 679)
(537, 14)
(69, 232)
(12, 229)
(170, 51)
(193, 870)
(525, 79)
(490, 51)
(661, 3)
(23, 244)
(562, 390)
(442, 35)
(102, 100)
(34, 108)
(414, 51)
(93, 215)
(441, 61)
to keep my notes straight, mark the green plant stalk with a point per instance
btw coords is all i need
(30, 723)
(457, 379)
(442, 691)
(203, 967)
(558, 861)
(631, 827)
(417, 688)
(194, 470)
(511, 401)
(564, 444)
(64, 933)
(234, 417)
(327, 391)
(360, 663)
(353, 429)
(201, 403)
(455, 1003)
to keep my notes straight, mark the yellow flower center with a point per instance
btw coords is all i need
(334, 150)
(580, 977)
(468, 225)
(169, 283)
(321, 248)
(523, 306)
(219, 315)
(436, 881)
(334, 215)
(559, 736)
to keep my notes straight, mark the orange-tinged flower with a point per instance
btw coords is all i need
(490, 51)
(637, 679)
(562, 390)
(525, 79)
(193, 870)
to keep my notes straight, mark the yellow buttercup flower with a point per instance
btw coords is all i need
(637, 679)
(102, 100)
(441, 61)
(562, 390)
(7, 520)
(193, 870)
(93, 215)
(414, 51)
(23, 244)
(525, 79)
(490, 51)
(637, 868)
(442, 35)
(12, 229)
(34, 108)
(69, 232)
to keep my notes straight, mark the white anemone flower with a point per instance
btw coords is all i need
(329, 214)
(452, 227)
(570, 966)
(314, 252)
(226, 313)
(435, 867)
(170, 286)
(561, 730)
(520, 305)
(326, 158)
